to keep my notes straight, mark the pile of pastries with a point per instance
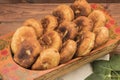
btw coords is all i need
(70, 31)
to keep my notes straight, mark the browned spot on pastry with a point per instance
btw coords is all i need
(84, 23)
(59, 15)
(49, 23)
(67, 30)
(23, 53)
(62, 29)
(45, 22)
(50, 39)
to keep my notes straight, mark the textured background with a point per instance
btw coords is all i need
(56, 1)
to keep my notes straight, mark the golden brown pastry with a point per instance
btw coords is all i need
(102, 36)
(25, 46)
(51, 39)
(81, 8)
(67, 30)
(63, 13)
(86, 44)
(84, 23)
(68, 50)
(20, 35)
(49, 22)
(36, 25)
(48, 58)
(70, 31)
(27, 53)
(98, 18)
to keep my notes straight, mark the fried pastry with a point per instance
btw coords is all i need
(102, 36)
(67, 30)
(51, 39)
(49, 23)
(34, 24)
(98, 18)
(25, 46)
(81, 8)
(84, 23)
(68, 50)
(63, 13)
(48, 58)
(86, 44)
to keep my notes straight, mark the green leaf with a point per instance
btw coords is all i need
(107, 77)
(106, 70)
(101, 67)
(95, 76)
(115, 75)
(115, 62)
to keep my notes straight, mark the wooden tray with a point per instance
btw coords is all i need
(9, 70)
